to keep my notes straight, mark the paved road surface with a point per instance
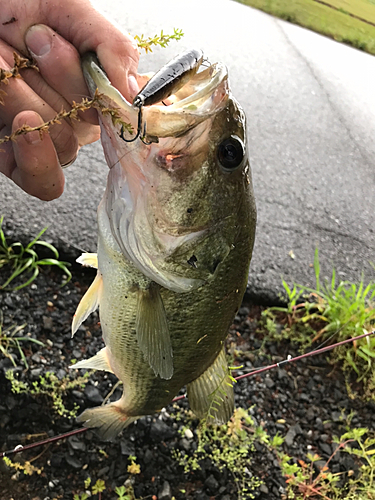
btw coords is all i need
(311, 118)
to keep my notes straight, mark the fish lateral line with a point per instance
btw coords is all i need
(54, 439)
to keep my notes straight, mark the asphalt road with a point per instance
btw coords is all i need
(311, 118)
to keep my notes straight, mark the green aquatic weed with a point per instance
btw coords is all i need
(51, 386)
(162, 40)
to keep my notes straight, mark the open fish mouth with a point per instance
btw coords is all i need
(200, 98)
(153, 178)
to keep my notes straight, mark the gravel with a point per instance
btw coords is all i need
(306, 403)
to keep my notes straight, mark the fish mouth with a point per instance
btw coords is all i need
(200, 98)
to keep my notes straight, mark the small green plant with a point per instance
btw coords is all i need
(161, 40)
(125, 493)
(133, 468)
(22, 259)
(303, 482)
(228, 446)
(9, 340)
(49, 385)
(122, 492)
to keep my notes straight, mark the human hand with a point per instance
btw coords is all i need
(55, 34)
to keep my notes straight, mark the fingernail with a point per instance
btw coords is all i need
(33, 137)
(39, 40)
(133, 86)
(32, 121)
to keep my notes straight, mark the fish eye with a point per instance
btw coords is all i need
(230, 153)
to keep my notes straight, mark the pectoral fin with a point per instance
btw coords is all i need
(88, 304)
(211, 396)
(98, 362)
(88, 260)
(153, 333)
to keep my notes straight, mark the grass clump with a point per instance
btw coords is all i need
(9, 340)
(52, 387)
(20, 260)
(351, 22)
(331, 313)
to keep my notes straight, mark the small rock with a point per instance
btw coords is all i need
(8, 301)
(47, 323)
(77, 354)
(263, 488)
(324, 438)
(60, 374)
(76, 443)
(93, 395)
(211, 484)
(304, 397)
(319, 464)
(77, 394)
(282, 374)
(35, 373)
(310, 414)
(73, 461)
(292, 433)
(165, 493)
(325, 447)
(160, 431)
(336, 416)
(36, 357)
(127, 448)
(200, 495)
(189, 434)
(269, 382)
(185, 444)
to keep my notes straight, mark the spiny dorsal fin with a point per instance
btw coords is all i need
(211, 396)
(88, 260)
(98, 362)
(153, 333)
(88, 303)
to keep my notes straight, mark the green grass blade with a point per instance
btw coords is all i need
(30, 280)
(32, 243)
(317, 269)
(29, 339)
(49, 246)
(17, 272)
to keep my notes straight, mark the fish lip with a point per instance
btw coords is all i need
(185, 113)
(97, 80)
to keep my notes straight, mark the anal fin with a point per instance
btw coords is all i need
(108, 420)
(211, 396)
(153, 333)
(88, 303)
(98, 362)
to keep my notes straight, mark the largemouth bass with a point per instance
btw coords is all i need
(176, 231)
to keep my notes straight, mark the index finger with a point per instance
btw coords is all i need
(84, 27)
